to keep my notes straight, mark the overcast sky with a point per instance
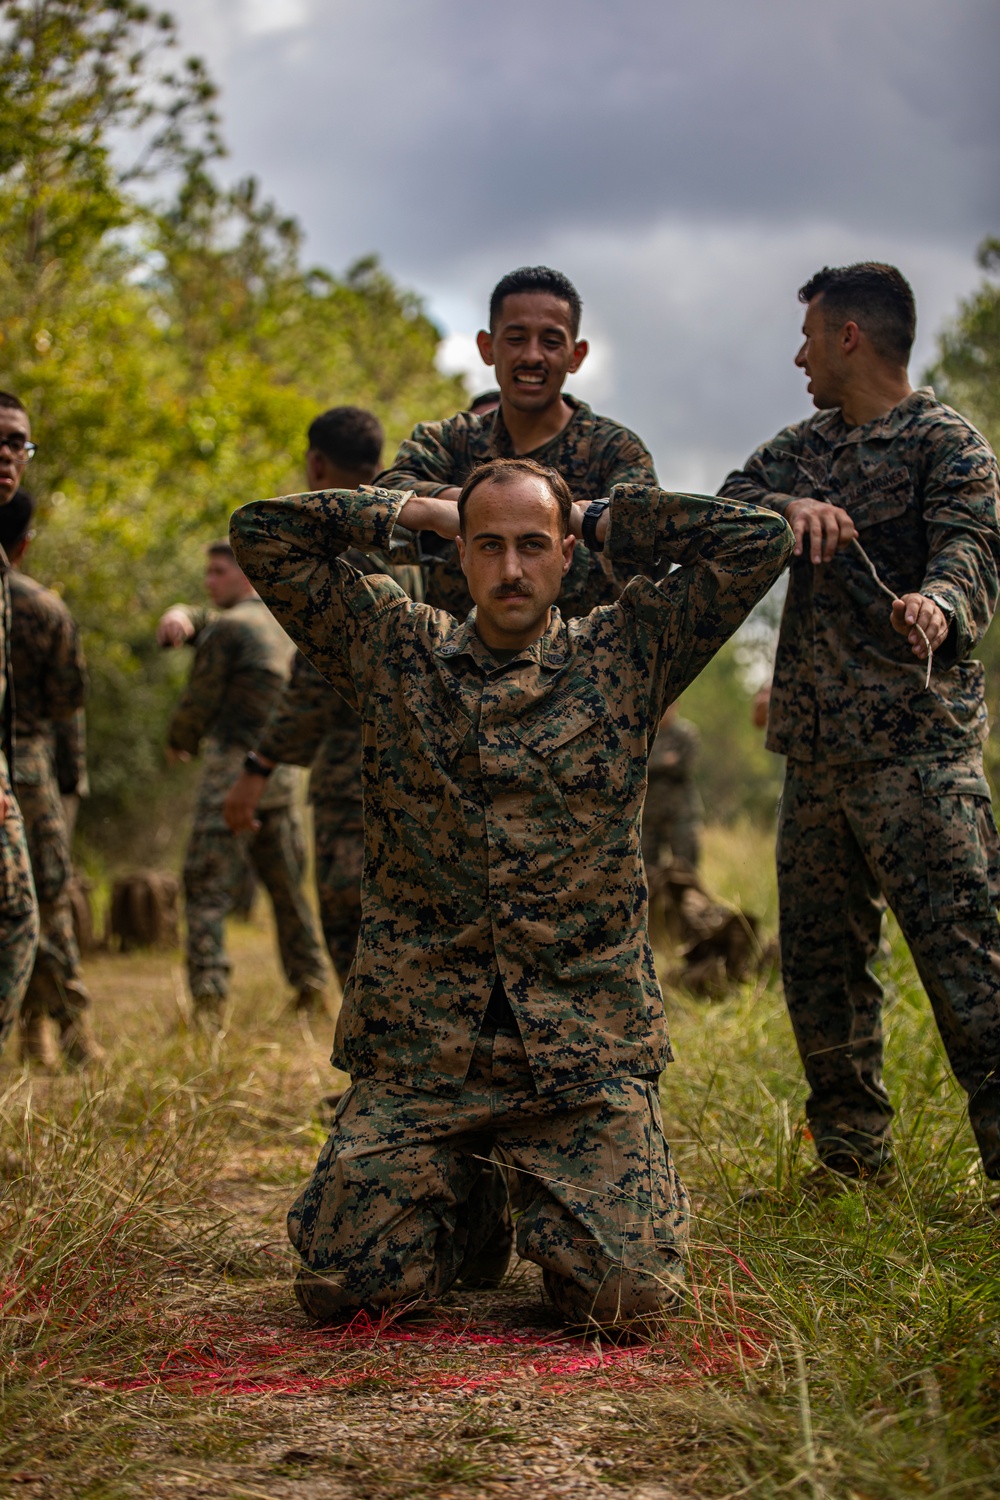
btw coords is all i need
(688, 163)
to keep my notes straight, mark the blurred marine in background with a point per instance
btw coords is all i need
(893, 500)
(241, 665)
(312, 725)
(18, 905)
(49, 765)
(671, 813)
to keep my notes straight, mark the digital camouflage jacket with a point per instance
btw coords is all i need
(311, 725)
(241, 664)
(592, 453)
(502, 803)
(49, 680)
(921, 486)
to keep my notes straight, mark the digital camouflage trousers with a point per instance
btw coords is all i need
(213, 870)
(920, 836)
(340, 857)
(394, 1211)
(56, 987)
(18, 912)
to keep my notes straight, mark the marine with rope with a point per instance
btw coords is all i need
(879, 707)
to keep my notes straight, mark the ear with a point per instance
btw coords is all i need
(460, 544)
(484, 343)
(580, 351)
(314, 474)
(568, 548)
(849, 338)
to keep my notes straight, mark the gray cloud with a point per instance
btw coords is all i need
(411, 125)
(688, 163)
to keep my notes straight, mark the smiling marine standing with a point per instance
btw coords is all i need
(504, 994)
(884, 796)
(533, 342)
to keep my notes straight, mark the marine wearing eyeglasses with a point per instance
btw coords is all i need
(18, 907)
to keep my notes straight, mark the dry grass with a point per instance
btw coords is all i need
(149, 1344)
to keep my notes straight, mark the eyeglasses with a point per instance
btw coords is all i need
(19, 445)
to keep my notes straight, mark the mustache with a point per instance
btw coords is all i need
(512, 591)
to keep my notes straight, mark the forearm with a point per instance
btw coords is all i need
(769, 478)
(651, 527)
(964, 578)
(727, 555)
(751, 488)
(289, 548)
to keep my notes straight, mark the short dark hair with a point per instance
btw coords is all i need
(12, 403)
(537, 279)
(221, 549)
(484, 398)
(503, 470)
(875, 296)
(15, 519)
(348, 436)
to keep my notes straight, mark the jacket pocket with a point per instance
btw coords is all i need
(580, 754)
(961, 847)
(884, 505)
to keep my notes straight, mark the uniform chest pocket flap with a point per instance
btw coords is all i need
(884, 504)
(961, 848)
(584, 757)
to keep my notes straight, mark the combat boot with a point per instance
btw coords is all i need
(310, 1001)
(37, 1042)
(80, 1047)
(208, 1013)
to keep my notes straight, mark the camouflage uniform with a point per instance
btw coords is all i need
(592, 453)
(313, 726)
(671, 817)
(884, 791)
(49, 759)
(504, 993)
(18, 906)
(241, 664)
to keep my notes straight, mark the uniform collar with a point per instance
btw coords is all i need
(551, 650)
(832, 426)
(579, 423)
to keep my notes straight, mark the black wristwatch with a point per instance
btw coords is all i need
(253, 763)
(591, 516)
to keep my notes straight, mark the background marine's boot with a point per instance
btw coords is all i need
(37, 1041)
(207, 1013)
(79, 1045)
(309, 1001)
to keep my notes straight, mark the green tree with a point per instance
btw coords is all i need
(170, 346)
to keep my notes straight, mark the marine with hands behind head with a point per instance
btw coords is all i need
(504, 994)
